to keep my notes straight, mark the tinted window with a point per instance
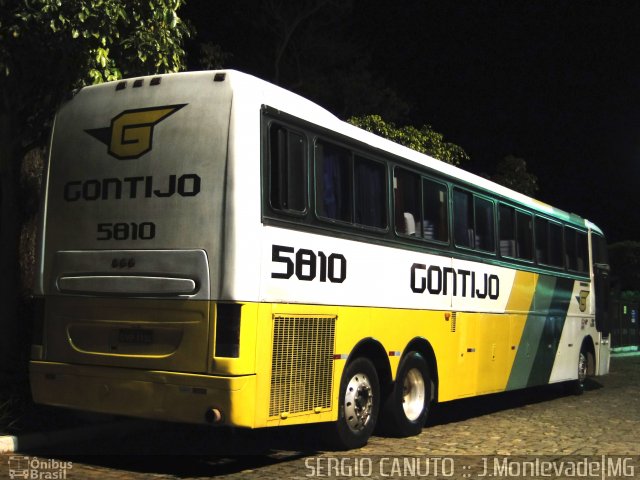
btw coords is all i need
(334, 197)
(577, 254)
(542, 241)
(473, 219)
(485, 238)
(524, 236)
(582, 251)
(350, 188)
(600, 253)
(463, 230)
(407, 202)
(507, 230)
(370, 188)
(288, 169)
(571, 258)
(556, 248)
(435, 221)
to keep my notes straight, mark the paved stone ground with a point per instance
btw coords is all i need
(537, 425)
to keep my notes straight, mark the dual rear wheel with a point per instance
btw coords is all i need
(402, 413)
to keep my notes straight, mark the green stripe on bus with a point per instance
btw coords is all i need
(539, 343)
(551, 333)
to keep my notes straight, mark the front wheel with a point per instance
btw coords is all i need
(585, 358)
(407, 406)
(578, 386)
(359, 403)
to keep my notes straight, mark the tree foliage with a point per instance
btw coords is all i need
(424, 139)
(512, 173)
(48, 48)
(310, 47)
(625, 264)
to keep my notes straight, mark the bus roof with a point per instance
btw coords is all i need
(293, 104)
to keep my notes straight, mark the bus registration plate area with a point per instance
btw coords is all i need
(135, 336)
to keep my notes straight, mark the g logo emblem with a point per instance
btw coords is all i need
(582, 299)
(131, 132)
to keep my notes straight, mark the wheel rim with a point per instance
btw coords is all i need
(413, 394)
(358, 402)
(582, 367)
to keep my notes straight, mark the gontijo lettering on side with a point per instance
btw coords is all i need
(438, 280)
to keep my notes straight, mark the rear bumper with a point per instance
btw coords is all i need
(172, 396)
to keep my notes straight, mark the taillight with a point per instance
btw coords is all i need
(228, 330)
(37, 334)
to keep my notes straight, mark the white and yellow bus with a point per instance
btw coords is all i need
(216, 249)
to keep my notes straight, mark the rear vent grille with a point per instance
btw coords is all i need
(301, 364)
(454, 316)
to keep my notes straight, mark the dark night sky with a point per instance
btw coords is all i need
(554, 82)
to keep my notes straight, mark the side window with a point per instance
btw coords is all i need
(524, 236)
(463, 231)
(350, 188)
(516, 233)
(334, 198)
(556, 247)
(582, 250)
(507, 229)
(577, 251)
(542, 241)
(571, 257)
(421, 206)
(473, 221)
(600, 252)
(436, 215)
(549, 243)
(485, 225)
(370, 189)
(406, 189)
(287, 169)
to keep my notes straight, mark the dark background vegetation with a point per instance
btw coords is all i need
(555, 82)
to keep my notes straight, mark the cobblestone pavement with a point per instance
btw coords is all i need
(533, 426)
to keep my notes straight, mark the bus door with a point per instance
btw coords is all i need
(600, 274)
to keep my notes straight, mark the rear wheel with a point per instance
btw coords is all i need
(359, 403)
(407, 406)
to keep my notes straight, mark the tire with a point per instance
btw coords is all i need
(577, 386)
(358, 406)
(406, 408)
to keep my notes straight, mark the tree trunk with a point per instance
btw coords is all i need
(11, 333)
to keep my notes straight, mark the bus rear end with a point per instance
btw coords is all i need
(131, 243)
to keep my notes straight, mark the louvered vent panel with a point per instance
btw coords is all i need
(301, 364)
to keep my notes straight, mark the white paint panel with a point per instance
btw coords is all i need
(577, 325)
(375, 275)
